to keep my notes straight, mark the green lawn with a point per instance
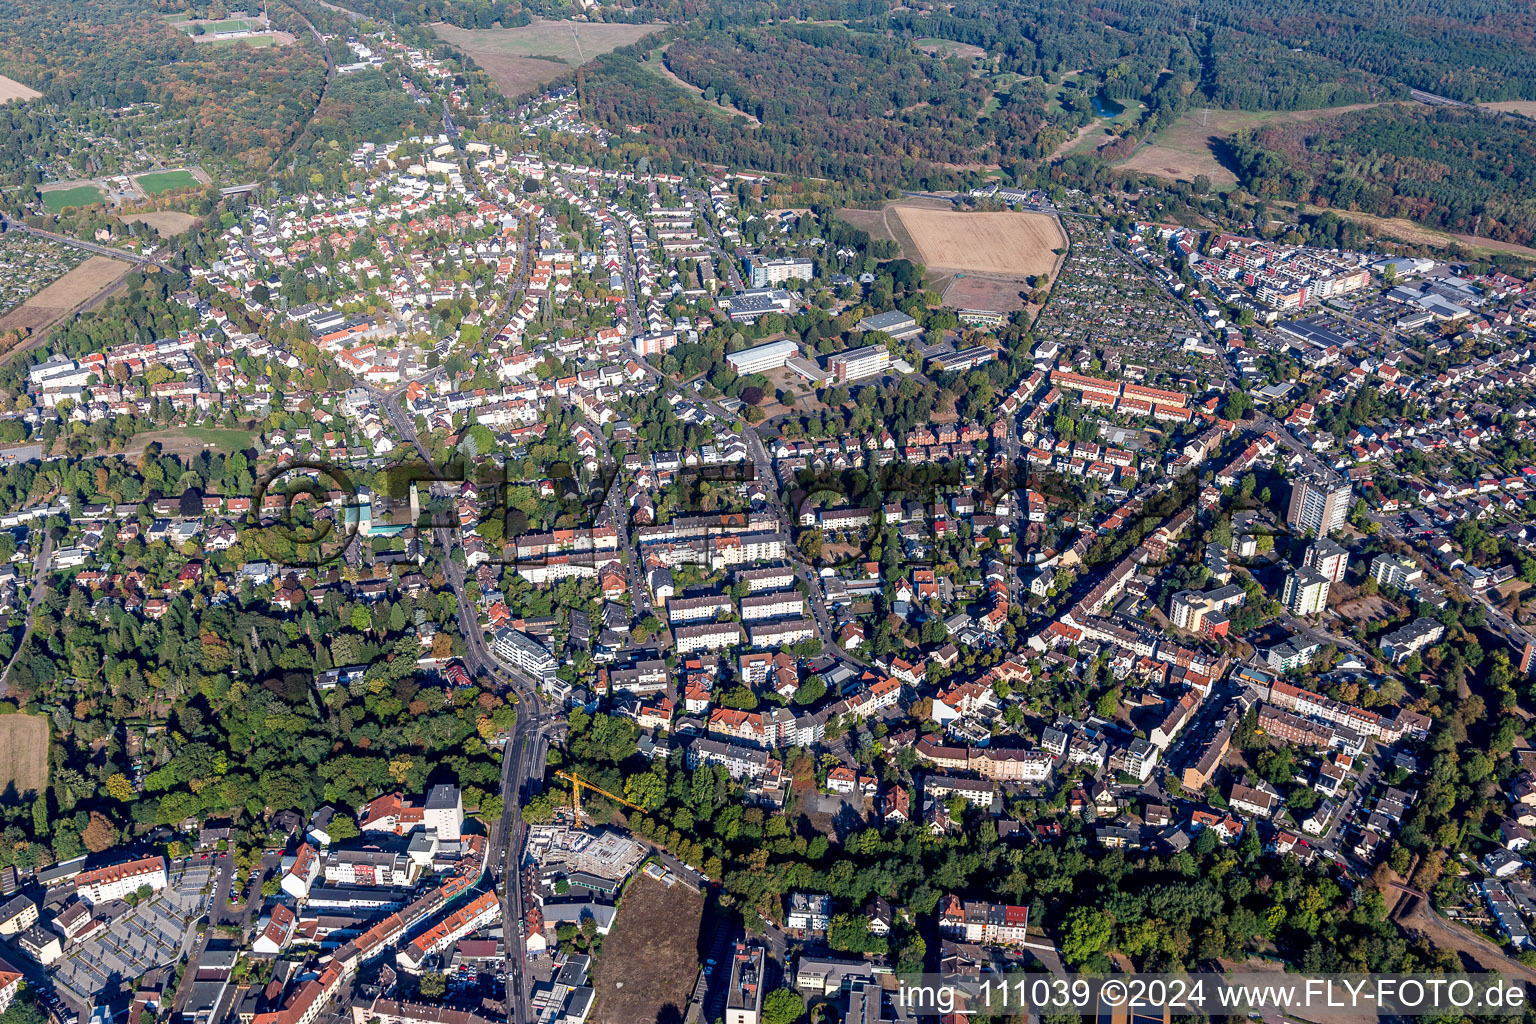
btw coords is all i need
(224, 439)
(229, 25)
(164, 181)
(62, 198)
(256, 41)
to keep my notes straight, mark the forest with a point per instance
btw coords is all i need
(211, 710)
(1452, 168)
(236, 103)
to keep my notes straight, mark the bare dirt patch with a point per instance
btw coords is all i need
(522, 58)
(1014, 244)
(1191, 145)
(1368, 609)
(971, 292)
(23, 754)
(79, 285)
(650, 961)
(10, 89)
(167, 222)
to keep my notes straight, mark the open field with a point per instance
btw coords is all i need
(167, 222)
(10, 89)
(1193, 144)
(522, 58)
(974, 260)
(948, 47)
(1016, 244)
(970, 292)
(56, 301)
(78, 195)
(192, 440)
(23, 754)
(1418, 234)
(651, 959)
(165, 181)
(269, 39)
(1526, 108)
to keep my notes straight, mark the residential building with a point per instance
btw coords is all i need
(1306, 591)
(986, 924)
(1319, 507)
(808, 912)
(118, 880)
(744, 994)
(1328, 557)
(762, 272)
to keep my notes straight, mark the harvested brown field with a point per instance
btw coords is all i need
(651, 960)
(23, 755)
(521, 59)
(1190, 146)
(10, 89)
(167, 222)
(1526, 108)
(1014, 244)
(79, 285)
(1418, 234)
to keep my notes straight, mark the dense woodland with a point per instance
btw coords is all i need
(1457, 169)
(236, 103)
(215, 700)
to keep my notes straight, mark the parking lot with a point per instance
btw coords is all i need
(153, 933)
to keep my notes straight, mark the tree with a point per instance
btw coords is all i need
(433, 985)
(342, 827)
(119, 788)
(1087, 931)
(811, 691)
(783, 1006)
(99, 834)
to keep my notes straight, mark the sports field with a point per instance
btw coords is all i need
(1018, 244)
(63, 198)
(23, 755)
(227, 25)
(165, 181)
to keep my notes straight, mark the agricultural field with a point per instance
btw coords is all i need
(1525, 108)
(58, 199)
(29, 263)
(1017, 244)
(979, 260)
(522, 58)
(651, 959)
(55, 301)
(23, 755)
(1194, 144)
(165, 181)
(10, 89)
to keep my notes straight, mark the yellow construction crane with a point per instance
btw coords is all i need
(577, 782)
